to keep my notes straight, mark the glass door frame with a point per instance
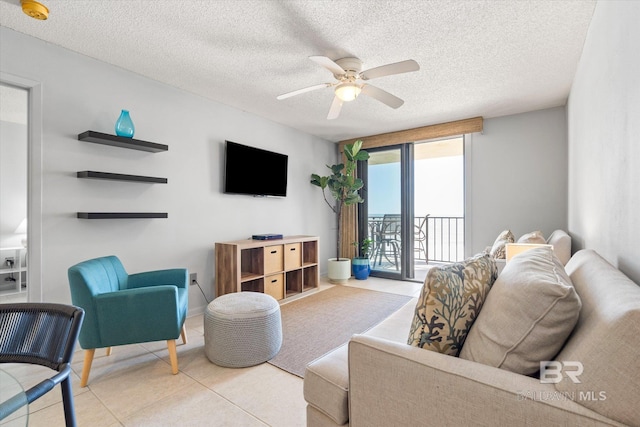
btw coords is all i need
(406, 270)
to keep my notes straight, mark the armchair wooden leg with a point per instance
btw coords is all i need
(173, 356)
(183, 334)
(86, 367)
(108, 351)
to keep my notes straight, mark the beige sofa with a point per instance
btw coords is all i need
(378, 380)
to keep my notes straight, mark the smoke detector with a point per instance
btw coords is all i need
(34, 9)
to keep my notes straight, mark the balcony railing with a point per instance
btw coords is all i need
(445, 238)
(437, 239)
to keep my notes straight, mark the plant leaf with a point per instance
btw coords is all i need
(362, 155)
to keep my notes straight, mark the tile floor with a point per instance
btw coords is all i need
(134, 386)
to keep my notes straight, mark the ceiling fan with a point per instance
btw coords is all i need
(351, 81)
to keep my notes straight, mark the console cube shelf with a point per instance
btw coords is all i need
(281, 268)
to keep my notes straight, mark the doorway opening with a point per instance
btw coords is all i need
(14, 137)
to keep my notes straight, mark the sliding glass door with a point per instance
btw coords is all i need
(414, 207)
(383, 216)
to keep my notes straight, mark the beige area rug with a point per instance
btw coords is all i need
(314, 325)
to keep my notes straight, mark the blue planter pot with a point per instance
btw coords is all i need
(360, 268)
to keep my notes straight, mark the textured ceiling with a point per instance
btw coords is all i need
(477, 58)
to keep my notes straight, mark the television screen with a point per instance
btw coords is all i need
(250, 170)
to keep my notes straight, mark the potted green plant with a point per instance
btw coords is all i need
(344, 187)
(361, 266)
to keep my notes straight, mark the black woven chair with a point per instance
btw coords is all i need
(40, 334)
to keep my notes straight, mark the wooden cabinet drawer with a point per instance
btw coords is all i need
(292, 256)
(274, 286)
(273, 261)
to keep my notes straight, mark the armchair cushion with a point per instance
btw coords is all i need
(146, 314)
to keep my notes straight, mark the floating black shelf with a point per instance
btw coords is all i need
(121, 215)
(121, 177)
(119, 141)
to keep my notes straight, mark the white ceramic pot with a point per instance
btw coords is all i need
(339, 270)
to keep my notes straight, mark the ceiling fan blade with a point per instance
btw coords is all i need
(382, 96)
(389, 69)
(334, 111)
(303, 90)
(328, 64)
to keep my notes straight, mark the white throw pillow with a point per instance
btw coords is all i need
(528, 315)
(533, 237)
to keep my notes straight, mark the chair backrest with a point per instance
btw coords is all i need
(39, 333)
(391, 226)
(421, 229)
(98, 276)
(88, 279)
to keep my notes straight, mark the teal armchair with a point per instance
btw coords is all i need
(123, 308)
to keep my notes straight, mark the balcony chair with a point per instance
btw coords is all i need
(40, 334)
(420, 238)
(388, 240)
(126, 308)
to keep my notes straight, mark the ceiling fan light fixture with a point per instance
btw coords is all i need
(348, 91)
(34, 9)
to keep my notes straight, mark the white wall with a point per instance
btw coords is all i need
(78, 94)
(516, 176)
(604, 138)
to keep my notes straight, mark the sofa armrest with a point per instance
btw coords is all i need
(396, 384)
(175, 276)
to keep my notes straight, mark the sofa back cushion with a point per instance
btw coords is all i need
(606, 340)
(449, 303)
(527, 316)
(561, 243)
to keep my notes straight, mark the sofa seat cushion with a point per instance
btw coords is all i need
(529, 313)
(326, 385)
(326, 379)
(449, 303)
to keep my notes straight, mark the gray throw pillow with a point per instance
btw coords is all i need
(528, 315)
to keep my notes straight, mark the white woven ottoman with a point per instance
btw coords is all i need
(242, 329)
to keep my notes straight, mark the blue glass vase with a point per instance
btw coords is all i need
(124, 125)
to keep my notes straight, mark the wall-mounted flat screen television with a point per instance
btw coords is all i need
(253, 171)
